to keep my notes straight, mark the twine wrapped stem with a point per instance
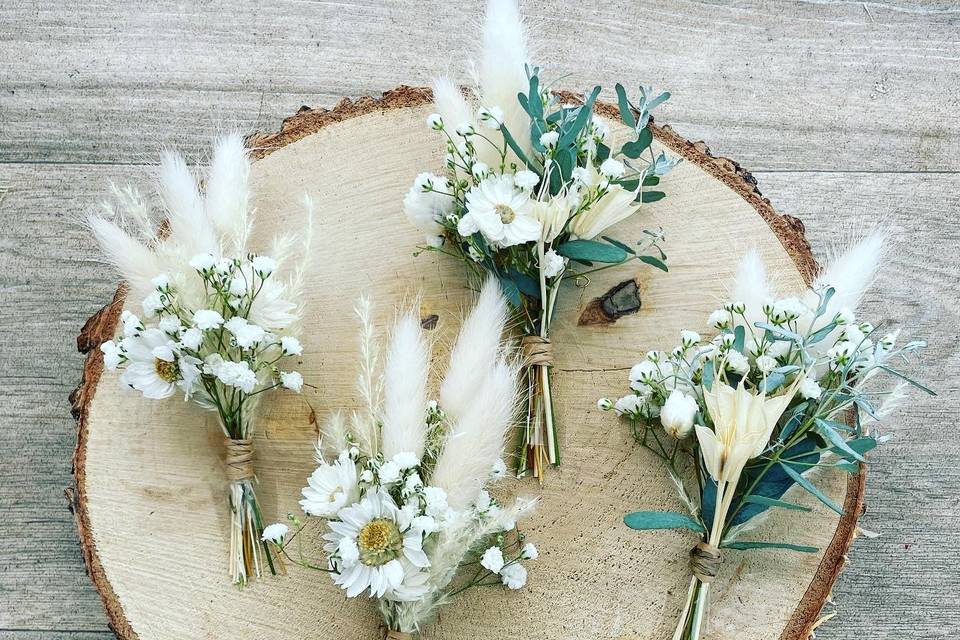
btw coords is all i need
(537, 351)
(705, 561)
(239, 459)
(398, 635)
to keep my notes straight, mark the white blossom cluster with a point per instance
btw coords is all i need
(511, 206)
(233, 344)
(384, 523)
(768, 348)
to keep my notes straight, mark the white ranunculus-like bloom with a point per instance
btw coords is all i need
(529, 552)
(434, 121)
(628, 405)
(207, 319)
(491, 117)
(514, 575)
(553, 264)
(291, 380)
(274, 532)
(245, 334)
(232, 374)
(152, 364)
(406, 460)
(738, 362)
(238, 286)
(264, 265)
(743, 422)
(291, 346)
(436, 499)
(131, 323)
(203, 261)
(425, 208)
(526, 179)
(809, 389)
(112, 355)
(479, 170)
(643, 373)
(330, 488)
(192, 338)
(501, 212)
(389, 554)
(677, 414)
(492, 559)
(549, 138)
(152, 303)
(170, 324)
(389, 473)
(766, 364)
(612, 168)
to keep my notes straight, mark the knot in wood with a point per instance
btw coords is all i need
(239, 459)
(537, 351)
(705, 561)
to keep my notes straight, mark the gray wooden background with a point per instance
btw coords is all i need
(846, 112)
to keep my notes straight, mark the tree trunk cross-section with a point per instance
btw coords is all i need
(149, 477)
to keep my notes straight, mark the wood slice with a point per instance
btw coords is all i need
(150, 502)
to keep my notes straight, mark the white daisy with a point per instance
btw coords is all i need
(501, 212)
(330, 488)
(389, 550)
(152, 368)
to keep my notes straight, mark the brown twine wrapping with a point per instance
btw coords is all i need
(705, 561)
(397, 635)
(537, 351)
(239, 459)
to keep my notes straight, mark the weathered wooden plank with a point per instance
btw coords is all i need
(898, 584)
(785, 85)
(46, 271)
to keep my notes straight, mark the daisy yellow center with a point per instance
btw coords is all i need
(166, 370)
(507, 215)
(379, 542)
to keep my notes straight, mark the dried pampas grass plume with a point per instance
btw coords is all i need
(475, 351)
(405, 388)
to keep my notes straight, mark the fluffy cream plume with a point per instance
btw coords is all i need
(451, 105)
(500, 74)
(405, 388)
(333, 438)
(189, 226)
(363, 424)
(475, 351)
(138, 264)
(751, 286)
(476, 439)
(850, 274)
(227, 197)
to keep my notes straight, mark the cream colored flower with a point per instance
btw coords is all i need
(743, 423)
(553, 215)
(616, 205)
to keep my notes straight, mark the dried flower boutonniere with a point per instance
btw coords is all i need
(402, 484)
(530, 184)
(788, 386)
(219, 319)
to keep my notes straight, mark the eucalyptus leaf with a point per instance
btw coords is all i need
(773, 502)
(653, 262)
(651, 181)
(739, 337)
(779, 333)
(617, 243)
(810, 487)
(647, 520)
(626, 112)
(635, 148)
(742, 546)
(592, 251)
(652, 196)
